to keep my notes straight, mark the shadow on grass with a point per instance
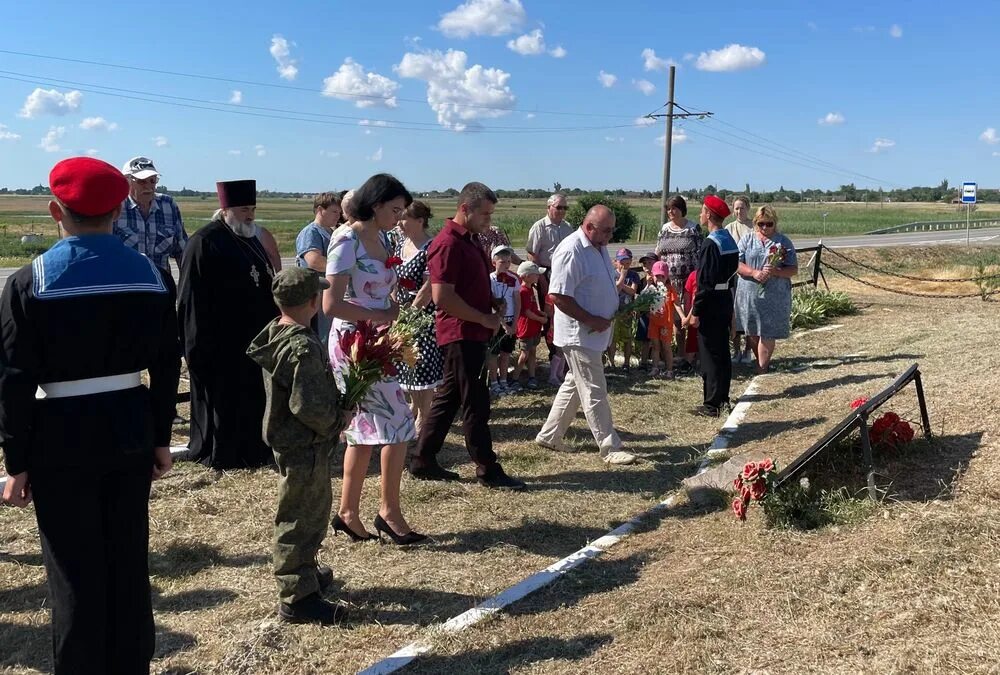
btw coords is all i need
(31, 559)
(795, 362)
(541, 537)
(926, 470)
(753, 431)
(513, 657)
(387, 605)
(187, 601)
(30, 646)
(801, 390)
(185, 559)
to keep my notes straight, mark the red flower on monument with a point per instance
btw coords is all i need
(858, 402)
(740, 508)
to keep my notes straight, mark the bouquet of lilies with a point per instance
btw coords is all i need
(372, 352)
(410, 324)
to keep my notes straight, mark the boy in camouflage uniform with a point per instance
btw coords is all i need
(302, 422)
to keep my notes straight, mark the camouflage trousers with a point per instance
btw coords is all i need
(304, 501)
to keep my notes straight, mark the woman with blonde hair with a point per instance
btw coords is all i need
(764, 292)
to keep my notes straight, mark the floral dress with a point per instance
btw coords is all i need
(764, 311)
(429, 369)
(679, 248)
(383, 417)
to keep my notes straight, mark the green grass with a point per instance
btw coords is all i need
(285, 217)
(812, 307)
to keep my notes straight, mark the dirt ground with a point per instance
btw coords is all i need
(910, 588)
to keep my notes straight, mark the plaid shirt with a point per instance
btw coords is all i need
(160, 237)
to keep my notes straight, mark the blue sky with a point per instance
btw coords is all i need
(904, 89)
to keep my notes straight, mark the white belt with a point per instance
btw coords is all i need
(93, 385)
(722, 287)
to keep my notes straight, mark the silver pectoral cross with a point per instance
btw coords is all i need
(255, 275)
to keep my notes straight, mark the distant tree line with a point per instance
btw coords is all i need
(845, 193)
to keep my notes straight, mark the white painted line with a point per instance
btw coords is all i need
(491, 606)
(720, 444)
(822, 329)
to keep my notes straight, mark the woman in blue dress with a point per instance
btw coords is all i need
(764, 292)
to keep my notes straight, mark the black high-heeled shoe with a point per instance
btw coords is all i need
(339, 525)
(407, 539)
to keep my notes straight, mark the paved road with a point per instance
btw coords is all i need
(983, 237)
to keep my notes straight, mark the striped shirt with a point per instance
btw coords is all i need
(159, 237)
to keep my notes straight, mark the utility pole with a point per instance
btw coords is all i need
(668, 140)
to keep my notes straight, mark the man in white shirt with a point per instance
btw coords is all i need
(546, 234)
(585, 296)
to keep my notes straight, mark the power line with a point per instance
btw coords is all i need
(284, 114)
(272, 85)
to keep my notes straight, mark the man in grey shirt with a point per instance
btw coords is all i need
(546, 234)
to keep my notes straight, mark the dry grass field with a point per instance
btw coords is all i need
(908, 584)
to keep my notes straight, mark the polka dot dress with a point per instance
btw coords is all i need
(428, 371)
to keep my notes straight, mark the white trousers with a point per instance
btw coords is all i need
(584, 384)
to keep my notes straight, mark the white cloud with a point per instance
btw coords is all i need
(50, 142)
(236, 97)
(529, 116)
(8, 135)
(644, 122)
(678, 134)
(688, 56)
(260, 150)
(98, 124)
(615, 139)
(882, 144)
(483, 17)
(452, 85)
(651, 62)
(896, 31)
(329, 153)
(377, 155)
(606, 79)
(645, 86)
(352, 83)
(529, 44)
(558, 52)
(831, 119)
(373, 123)
(50, 102)
(282, 53)
(996, 154)
(160, 141)
(864, 29)
(990, 136)
(235, 153)
(811, 25)
(729, 58)
(93, 151)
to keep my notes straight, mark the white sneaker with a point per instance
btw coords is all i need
(619, 457)
(558, 446)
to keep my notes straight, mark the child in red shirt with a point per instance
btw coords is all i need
(529, 323)
(690, 346)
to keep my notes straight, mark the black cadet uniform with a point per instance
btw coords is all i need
(713, 305)
(90, 308)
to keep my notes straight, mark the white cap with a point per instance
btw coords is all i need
(140, 168)
(500, 248)
(528, 267)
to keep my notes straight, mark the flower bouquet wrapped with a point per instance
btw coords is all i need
(371, 352)
(775, 257)
(650, 299)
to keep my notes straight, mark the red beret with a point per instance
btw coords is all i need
(88, 186)
(716, 206)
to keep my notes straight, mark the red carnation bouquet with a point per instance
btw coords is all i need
(752, 485)
(371, 352)
(889, 430)
(775, 256)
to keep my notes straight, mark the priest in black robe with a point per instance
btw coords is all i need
(225, 301)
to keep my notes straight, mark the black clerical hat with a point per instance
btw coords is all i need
(233, 193)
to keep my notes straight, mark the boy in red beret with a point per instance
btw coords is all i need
(82, 436)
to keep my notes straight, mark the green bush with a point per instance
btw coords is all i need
(987, 266)
(812, 307)
(625, 219)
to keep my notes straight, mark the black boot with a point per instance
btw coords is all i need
(312, 609)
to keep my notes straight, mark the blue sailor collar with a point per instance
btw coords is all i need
(724, 241)
(96, 264)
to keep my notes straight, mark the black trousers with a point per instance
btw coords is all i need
(95, 546)
(464, 387)
(713, 350)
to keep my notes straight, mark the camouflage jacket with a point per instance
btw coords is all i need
(302, 398)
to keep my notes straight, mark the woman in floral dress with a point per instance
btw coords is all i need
(678, 245)
(361, 288)
(415, 287)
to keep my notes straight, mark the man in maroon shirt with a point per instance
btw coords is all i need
(460, 286)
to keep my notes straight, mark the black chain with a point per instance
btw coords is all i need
(896, 290)
(904, 276)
